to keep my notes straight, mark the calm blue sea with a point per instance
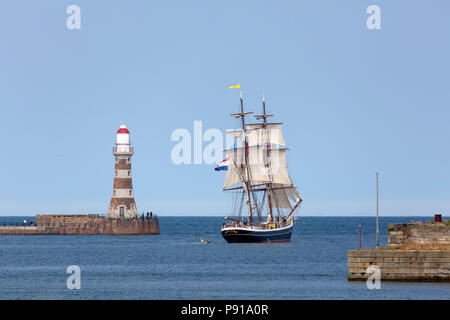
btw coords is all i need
(175, 265)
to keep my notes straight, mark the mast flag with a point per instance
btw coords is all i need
(223, 165)
(235, 86)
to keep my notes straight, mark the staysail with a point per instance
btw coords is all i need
(284, 198)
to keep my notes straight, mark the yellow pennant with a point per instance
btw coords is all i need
(234, 87)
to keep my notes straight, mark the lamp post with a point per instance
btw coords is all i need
(359, 227)
(377, 231)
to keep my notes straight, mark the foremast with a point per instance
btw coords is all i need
(246, 180)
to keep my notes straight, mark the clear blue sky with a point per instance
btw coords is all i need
(353, 100)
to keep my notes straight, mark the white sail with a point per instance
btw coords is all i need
(235, 133)
(279, 199)
(278, 167)
(235, 172)
(262, 169)
(268, 170)
(257, 135)
(232, 176)
(293, 195)
(256, 164)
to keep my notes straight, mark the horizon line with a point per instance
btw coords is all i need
(217, 216)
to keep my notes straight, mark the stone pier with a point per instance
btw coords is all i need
(418, 234)
(84, 225)
(400, 265)
(415, 252)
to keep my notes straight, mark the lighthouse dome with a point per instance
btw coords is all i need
(123, 129)
(123, 135)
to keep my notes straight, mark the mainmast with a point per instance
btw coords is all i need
(273, 195)
(268, 186)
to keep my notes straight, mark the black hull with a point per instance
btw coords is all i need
(241, 235)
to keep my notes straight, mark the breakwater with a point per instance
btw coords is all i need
(400, 265)
(90, 224)
(415, 252)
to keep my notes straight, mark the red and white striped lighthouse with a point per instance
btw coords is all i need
(122, 203)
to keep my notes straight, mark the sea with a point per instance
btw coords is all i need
(175, 265)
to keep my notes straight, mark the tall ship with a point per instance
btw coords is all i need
(263, 197)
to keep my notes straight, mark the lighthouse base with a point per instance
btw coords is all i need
(89, 224)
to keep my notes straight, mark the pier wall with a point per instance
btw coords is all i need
(437, 234)
(84, 225)
(400, 265)
(20, 230)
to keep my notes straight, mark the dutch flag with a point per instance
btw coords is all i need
(223, 165)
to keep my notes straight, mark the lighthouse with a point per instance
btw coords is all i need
(122, 203)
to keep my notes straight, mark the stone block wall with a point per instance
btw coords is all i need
(418, 233)
(400, 265)
(85, 225)
(12, 230)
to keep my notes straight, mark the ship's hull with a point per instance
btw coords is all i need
(248, 235)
